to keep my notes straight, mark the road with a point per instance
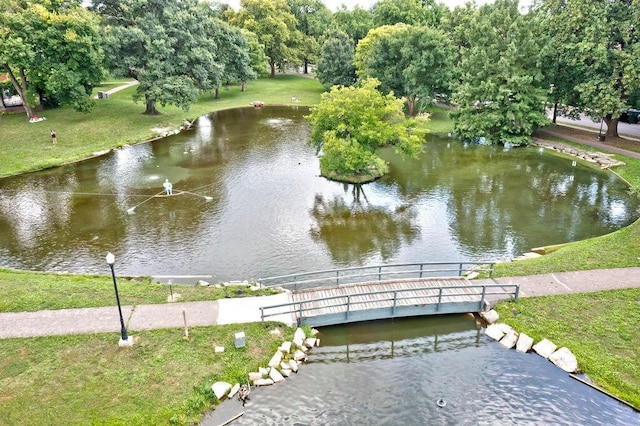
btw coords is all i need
(624, 129)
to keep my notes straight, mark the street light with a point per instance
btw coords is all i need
(125, 340)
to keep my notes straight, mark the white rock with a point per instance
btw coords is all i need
(490, 316)
(263, 371)
(263, 382)
(304, 348)
(276, 376)
(509, 340)
(234, 390)
(317, 342)
(218, 349)
(310, 342)
(298, 337)
(495, 332)
(472, 275)
(220, 389)
(314, 332)
(285, 347)
(564, 359)
(275, 359)
(544, 348)
(254, 375)
(506, 329)
(285, 372)
(203, 283)
(293, 364)
(524, 343)
(298, 355)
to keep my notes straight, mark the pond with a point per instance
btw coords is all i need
(248, 203)
(394, 372)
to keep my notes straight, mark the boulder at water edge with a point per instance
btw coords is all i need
(220, 389)
(275, 376)
(490, 316)
(234, 390)
(509, 340)
(545, 348)
(524, 343)
(298, 337)
(495, 332)
(564, 359)
(275, 359)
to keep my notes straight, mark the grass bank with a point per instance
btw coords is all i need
(600, 328)
(87, 379)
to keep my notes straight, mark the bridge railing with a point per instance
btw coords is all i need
(338, 277)
(391, 299)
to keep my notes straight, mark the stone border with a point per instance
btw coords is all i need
(509, 338)
(284, 362)
(605, 161)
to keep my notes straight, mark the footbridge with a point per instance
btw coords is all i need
(367, 293)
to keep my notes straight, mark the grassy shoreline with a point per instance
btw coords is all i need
(165, 379)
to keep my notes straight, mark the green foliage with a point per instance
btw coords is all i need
(335, 67)
(499, 95)
(313, 19)
(356, 22)
(274, 26)
(412, 62)
(351, 123)
(410, 12)
(169, 47)
(50, 48)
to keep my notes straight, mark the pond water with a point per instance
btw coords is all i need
(394, 372)
(249, 203)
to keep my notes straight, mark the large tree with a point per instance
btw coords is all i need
(351, 124)
(410, 12)
(500, 94)
(50, 50)
(335, 66)
(601, 43)
(356, 23)
(414, 62)
(168, 46)
(313, 19)
(232, 54)
(275, 26)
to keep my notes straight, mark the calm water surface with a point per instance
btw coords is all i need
(249, 203)
(392, 373)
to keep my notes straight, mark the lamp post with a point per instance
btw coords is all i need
(600, 137)
(125, 340)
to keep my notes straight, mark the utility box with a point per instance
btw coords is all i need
(240, 340)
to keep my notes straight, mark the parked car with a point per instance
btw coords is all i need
(630, 116)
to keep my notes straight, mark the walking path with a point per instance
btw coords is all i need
(119, 88)
(243, 310)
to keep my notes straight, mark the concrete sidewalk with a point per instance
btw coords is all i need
(247, 309)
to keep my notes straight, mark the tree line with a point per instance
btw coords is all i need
(499, 65)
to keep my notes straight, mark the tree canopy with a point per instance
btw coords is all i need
(168, 46)
(500, 94)
(351, 124)
(601, 43)
(335, 66)
(275, 27)
(50, 50)
(414, 62)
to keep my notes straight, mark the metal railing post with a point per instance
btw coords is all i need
(393, 310)
(517, 292)
(460, 270)
(484, 289)
(439, 299)
(379, 273)
(421, 268)
(491, 265)
(348, 306)
(338, 278)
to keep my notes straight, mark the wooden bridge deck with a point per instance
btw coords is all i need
(376, 295)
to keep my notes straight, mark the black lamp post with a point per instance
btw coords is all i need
(124, 337)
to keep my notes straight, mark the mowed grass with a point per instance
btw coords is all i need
(162, 379)
(34, 291)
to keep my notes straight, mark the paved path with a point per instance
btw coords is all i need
(119, 88)
(242, 310)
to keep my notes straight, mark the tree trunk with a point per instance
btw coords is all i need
(244, 86)
(151, 107)
(306, 66)
(272, 64)
(217, 95)
(555, 112)
(612, 126)
(21, 88)
(411, 105)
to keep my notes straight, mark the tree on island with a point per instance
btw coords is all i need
(351, 124)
